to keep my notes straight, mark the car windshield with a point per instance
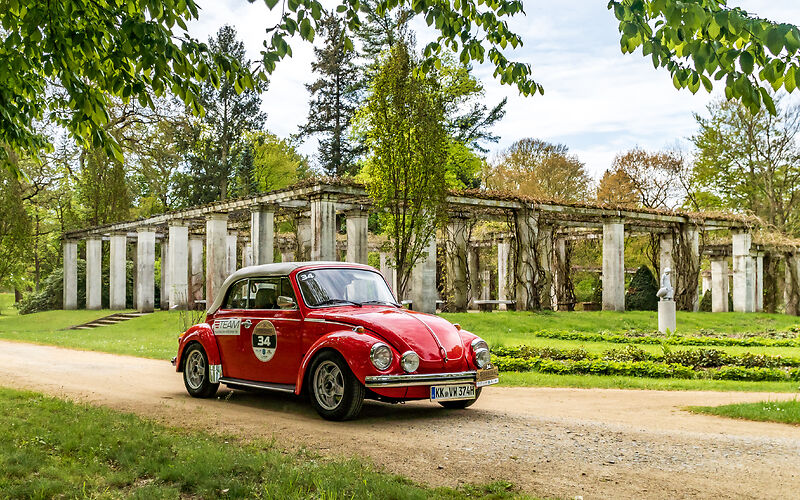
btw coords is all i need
(332, 287)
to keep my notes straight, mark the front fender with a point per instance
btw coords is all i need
(202, 334)
(354, 347)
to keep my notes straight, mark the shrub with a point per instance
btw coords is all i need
(641, 294)
(705, 302)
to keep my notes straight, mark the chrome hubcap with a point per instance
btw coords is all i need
(328, 385)
(195, 370)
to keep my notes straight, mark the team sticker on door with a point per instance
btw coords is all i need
(265, 341)
(227, 326)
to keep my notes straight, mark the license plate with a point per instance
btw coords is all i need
(487, 376)
(450, 392)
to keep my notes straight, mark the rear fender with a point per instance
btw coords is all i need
(354, 347)
(203, 335)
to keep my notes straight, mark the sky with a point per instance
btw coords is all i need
(597, 101)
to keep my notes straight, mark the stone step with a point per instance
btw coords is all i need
(112, 319)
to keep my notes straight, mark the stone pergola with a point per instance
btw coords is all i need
(201, 246)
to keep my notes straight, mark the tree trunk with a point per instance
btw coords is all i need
(771, 279)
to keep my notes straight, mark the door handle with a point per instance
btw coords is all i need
(247, 323)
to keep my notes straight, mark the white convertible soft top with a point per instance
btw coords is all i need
(266, 270)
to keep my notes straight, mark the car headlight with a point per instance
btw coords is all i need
(381, 356)
(480, 352)
(410, 361)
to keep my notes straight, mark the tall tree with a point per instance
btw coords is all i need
(616, 188)
(655, 176)
(15, 231)
(230, 111)
(403, 119)
(747, 161)
(334, 100)
(276, 163)
(537, 168)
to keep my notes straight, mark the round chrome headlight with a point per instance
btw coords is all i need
(410, 361)
(381, 356)
(480, 352)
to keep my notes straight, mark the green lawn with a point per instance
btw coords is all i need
(151, 336)
(50, 448)
(514, 328)
(786, 412)
(6, 303)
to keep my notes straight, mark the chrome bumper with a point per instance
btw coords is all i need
(415, 379)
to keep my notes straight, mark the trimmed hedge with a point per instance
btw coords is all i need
(634, 362)
(670, 340)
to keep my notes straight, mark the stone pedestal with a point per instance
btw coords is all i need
(666, 316)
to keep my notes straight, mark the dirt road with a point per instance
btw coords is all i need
(553, 442)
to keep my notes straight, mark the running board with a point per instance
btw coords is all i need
(257, 385)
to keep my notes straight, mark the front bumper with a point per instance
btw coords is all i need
(417, 379)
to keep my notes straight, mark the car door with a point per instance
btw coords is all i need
(273, 335)
(227, 328)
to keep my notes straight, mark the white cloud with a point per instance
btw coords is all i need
(597, 101)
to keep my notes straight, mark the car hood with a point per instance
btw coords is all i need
(406, 330)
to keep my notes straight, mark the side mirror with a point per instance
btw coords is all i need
(285, 302)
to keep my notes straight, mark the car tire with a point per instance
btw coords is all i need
(195, 373)
(461, 403)
(334, 391)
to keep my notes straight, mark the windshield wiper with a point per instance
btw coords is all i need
(338, 301)
(395, 304)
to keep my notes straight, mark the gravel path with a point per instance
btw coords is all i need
(596, 443)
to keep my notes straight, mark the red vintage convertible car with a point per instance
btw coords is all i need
(334, 331)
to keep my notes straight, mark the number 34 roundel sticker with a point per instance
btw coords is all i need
(265, 341)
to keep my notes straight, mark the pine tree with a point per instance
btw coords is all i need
(334, 100)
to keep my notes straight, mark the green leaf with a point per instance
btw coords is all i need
(775, 40)
(746, 62)
(271, 3)
(789, 82)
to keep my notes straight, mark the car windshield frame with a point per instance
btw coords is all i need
(343, 302)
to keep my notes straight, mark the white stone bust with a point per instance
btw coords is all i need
(666, 292)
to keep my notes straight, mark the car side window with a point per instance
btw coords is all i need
(264, 293)
(287, 290)
(237, 296)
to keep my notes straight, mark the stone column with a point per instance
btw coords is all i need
(135, 261)
(691, 237)
(287, 255)
(357, 235)
(232, 242)
(474, 265)
(719, 284)
(706, 281)
(195, 269)
(743, 275)
(545, 254)
(94, 280)
(560, 276)
(262, 234)
(665, 251)
(791, 290)
(117, 264)
(456, 265)
(70, 275)
(759, 284)
(386, 270)
(503, 254)
(165, 275)
(303, 251)
(323, 227)
(178, 265)
(247, 255)
(145, 269)
(613, 265)
(423, 277)
(216, 254)
(526, 278)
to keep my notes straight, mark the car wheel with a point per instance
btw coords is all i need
(460, 404)
(195, 373)
(334, 391)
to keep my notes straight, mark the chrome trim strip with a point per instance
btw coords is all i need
(214, 373)
(318, 320)
(258, 385)
(416, 379)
